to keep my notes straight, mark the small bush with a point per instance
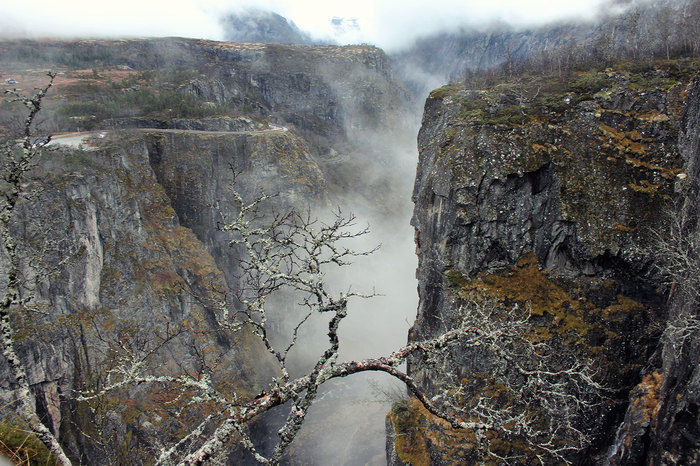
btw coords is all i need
(553, 102)
(80, 159)
(456, 279)
(176, 75)
(444, 91)
(473, 108)
(404, 418)
(96, 110)
(590, 82)
(651, 82)
(507, 115)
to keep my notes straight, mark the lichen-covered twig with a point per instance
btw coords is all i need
(289, 252)
(18, 158)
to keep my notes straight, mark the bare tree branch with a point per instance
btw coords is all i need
(19, 158)
(288, 252)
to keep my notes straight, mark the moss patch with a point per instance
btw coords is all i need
(417, 431)
(445, 91)
(410, 443)
(22, 447)
(559, 310)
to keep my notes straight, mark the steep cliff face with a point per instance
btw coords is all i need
(134, 256)
(198, 173)
(676, 430)
(134, 249)
(661, 425)
(545, 195)
(114, 264)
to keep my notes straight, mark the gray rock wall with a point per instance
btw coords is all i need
(580, 191)
(662, 424)
(107, 257)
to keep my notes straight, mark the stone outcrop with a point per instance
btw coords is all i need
(547, 196)
(198, 172)
(661, 425)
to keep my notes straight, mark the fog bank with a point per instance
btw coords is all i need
(388, 24)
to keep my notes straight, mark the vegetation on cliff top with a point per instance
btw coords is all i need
(499, 99)
(153, 93)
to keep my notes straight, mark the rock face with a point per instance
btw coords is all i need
(135, 223)
(116, 259)
(661, 425)
(197, 172)
(548, 199)
(127, 226)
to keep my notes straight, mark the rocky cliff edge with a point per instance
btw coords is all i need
(545, 192)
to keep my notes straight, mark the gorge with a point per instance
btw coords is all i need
(560, 199)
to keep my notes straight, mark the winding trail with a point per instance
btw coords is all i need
(82, 138)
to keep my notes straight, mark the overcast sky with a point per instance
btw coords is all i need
(386, 23)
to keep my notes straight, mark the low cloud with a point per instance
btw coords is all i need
(126, 18)
(389, 24)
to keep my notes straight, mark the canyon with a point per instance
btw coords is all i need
(547, 194)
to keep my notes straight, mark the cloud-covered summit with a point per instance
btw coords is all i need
(262, 26)
(388, 24)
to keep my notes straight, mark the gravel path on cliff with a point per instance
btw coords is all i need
(83, 138)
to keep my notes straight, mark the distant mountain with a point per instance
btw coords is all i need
(263, 27)
(633, 30)
(627, 29)
(439, 59)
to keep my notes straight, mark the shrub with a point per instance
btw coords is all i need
(404, 418)
(79, 159)
(444, 91)
(590, 82)
(473, 108)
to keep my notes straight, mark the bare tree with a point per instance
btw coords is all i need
(664, 26)
(677, 253)
(18, 159)
(290, 252)
(690, 27)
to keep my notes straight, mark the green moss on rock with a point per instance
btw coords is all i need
(21, 447)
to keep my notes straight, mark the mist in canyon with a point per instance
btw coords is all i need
(368, 164)
(346, 425)
(353, 128)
